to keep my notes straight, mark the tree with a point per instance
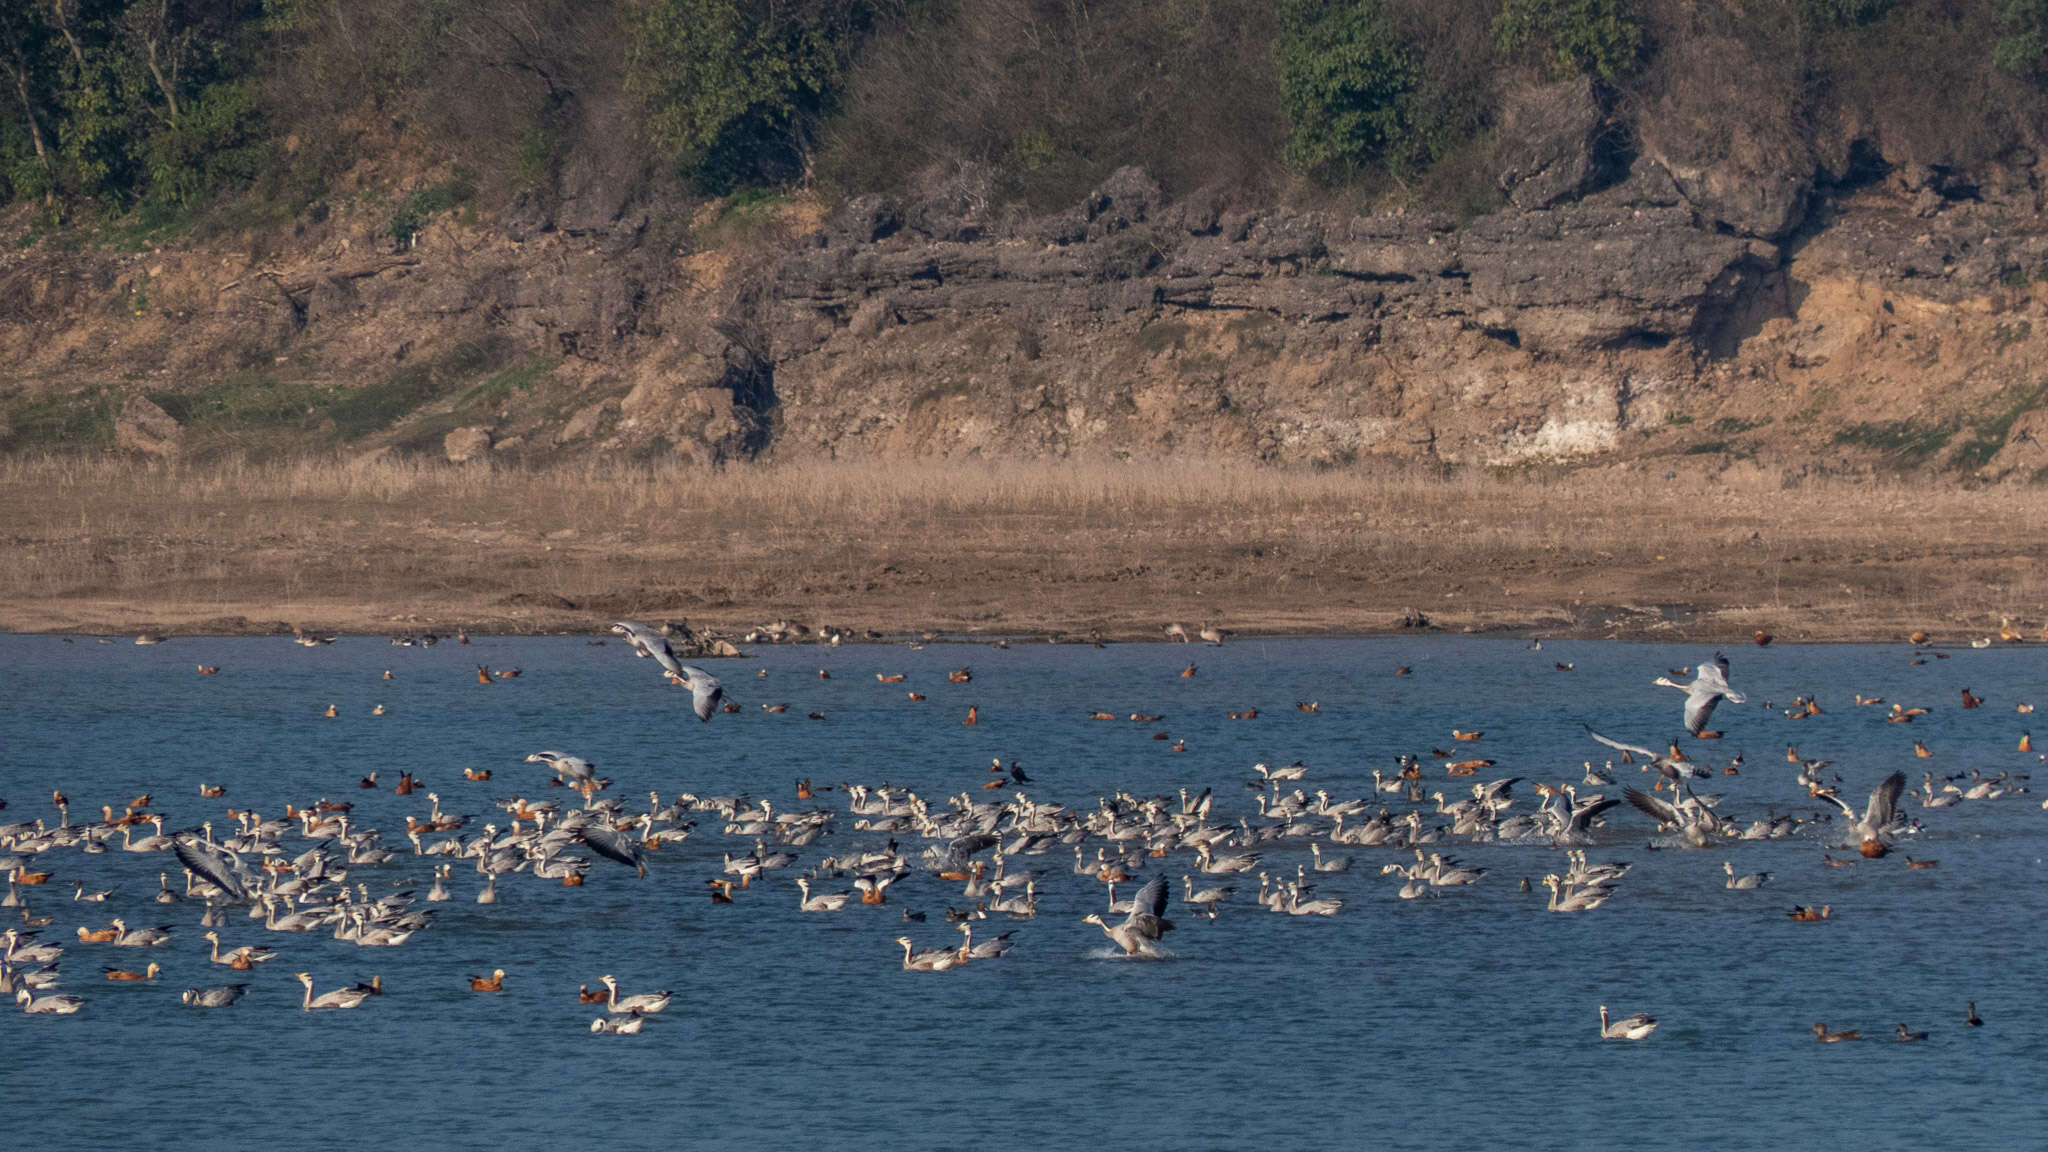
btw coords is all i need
(2023, 49)
(1345, 84)
(735, 88)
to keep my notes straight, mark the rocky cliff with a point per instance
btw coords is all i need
(1662, 312)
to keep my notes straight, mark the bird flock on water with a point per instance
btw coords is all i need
(291, 874)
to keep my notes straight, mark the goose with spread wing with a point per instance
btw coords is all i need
(1880, 816)
(705, 690)
(647, 643)
(1696, 824)
(1667, 766)
(1708, 688)
(605, 840)
(216, 868)
(1140, 931)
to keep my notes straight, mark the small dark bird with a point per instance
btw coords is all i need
(1906, 1037)
(1972, 1019)
(1017, 774)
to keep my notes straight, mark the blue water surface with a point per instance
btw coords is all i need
(1465, 1021)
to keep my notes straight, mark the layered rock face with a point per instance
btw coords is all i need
(1614, 311)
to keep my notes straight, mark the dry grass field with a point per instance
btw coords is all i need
(106, 545)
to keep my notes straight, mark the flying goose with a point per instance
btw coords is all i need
(1708, 688)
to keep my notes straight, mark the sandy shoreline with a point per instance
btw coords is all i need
(973, 551)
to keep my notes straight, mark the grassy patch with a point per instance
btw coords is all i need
(85, 421)
(1677, 419)
(1163, 336)
(1978, 450)
(251, 399)
(357, 412)
(418, 209)
(518, 378)
(1706, 448)
(750, 216)
(1733, 426)
(945, 389)
(1911, 443)
(255, 402)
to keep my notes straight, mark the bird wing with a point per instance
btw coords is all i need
(1151, 899)
(609, 842)
(1651, 806)
(1716, 668)
(1646, 753)
(647, 642)
(209, 867)
(1583, 817)
(1699, 704)
(1884, 803)
(705, 690)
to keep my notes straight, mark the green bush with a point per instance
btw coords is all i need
(734, 88)
(2023, 48)
(1345, 85)
(1599, 38)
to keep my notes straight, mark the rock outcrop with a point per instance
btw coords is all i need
(1660, 306)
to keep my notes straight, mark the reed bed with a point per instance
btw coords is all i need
(1115, 545)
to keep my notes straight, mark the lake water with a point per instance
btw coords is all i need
(1469, 1020)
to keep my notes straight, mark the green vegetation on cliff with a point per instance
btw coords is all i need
(166, 106)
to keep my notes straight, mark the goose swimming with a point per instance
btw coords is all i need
(646, 1003)
(1746, 883)
(338, 998)
(55, 1004)
(1628, 1027)
(217, 997)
